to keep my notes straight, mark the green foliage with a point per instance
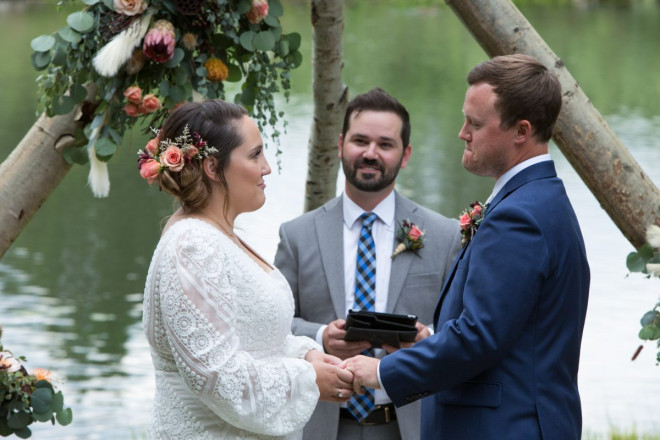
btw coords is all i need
(645, 261)
(256, 52)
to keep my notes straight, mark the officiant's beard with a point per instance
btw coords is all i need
(370, 183)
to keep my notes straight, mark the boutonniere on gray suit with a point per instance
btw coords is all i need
(410, 236)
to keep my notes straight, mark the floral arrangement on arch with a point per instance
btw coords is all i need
(647, 261)
(26, 398)
(132, 61)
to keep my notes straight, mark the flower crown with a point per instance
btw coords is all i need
(172, 155)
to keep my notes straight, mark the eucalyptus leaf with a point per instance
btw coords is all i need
(74, 155)
(176, 58)
(272, 21)
(18, 420)
(235, 73)
(114, 134)
(635, 262)
(63, 105)
(649, 318)
(58, 402)
(41, 399)
(244, 6)
(90, 2)
(646, 251)
(295, 59)
(264, 41)
(42, 43)
(42, 416)
(69, 35)
(40, 60)
(105, 148)
(110, 4)
(181, 76)
(59, 54)
(23, 432)
(649, 333)
(201, 72)
(64, 417)
(177, 93)
(78, 93)
(247, 39)
(294, 40)
(275, 8)
(164, 88)
(284, 48)
(81, 21)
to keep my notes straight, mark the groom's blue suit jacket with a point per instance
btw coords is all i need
(503, 362)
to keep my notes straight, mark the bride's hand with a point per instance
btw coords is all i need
(335, 384)
(319, 356)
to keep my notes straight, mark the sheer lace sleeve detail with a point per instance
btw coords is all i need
(222, 324)
(299, 346)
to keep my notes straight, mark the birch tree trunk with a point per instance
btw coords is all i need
(602, 161)
(32, 171)
(330, 100)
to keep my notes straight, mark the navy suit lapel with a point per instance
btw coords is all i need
(403, 210)
(330, 234)
(541, 170)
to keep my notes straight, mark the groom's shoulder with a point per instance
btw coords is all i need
(431, 218)
(308, 218)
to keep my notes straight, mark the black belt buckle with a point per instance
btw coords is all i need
(380, 415)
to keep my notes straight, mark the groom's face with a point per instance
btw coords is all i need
(372, 151)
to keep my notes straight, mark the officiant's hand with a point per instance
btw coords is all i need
(333, 341)
(365, 372)
(422, 332)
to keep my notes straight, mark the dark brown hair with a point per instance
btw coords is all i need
(378, 100)
(525, 90)
(216, 121)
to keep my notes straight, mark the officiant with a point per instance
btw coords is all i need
(340, 257)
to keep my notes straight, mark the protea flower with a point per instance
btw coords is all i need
(159, 41)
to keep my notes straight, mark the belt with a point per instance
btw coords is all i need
(380, 415)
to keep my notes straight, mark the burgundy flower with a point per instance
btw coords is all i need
(159, 41)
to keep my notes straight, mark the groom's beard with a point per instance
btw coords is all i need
(370, 182)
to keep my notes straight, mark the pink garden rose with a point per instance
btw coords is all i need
(192, 151)
(131, 109)
(9, 362)
(150, 103)
(149, 169)
(159, 42)
(130, 7)
(133, 94)
(415, 233)
(464, 221)
(258, 12)
(172, 158)
(476, 211)
(152, 146)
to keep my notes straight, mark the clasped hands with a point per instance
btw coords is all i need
(343, 371)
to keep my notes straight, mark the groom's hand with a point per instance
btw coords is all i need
(365, 372)
(334, 344)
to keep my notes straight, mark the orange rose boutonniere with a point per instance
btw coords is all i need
(410, 236)
(470, 219)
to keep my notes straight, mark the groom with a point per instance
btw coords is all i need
(503, 362)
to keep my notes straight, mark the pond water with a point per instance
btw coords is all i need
(71, 285)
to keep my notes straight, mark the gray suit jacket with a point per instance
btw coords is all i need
(310, 255)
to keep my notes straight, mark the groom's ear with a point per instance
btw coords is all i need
(524, 131)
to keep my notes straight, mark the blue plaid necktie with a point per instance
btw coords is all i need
(365, 299)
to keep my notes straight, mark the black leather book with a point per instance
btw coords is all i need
(380, 328)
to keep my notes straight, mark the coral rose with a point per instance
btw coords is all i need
(476, 211)
(152, 146)
(258, 12)
(133, 94)
(159, 42)
(464, 221)
(131, 109)
(149, 169)
(191, 151)
(150, 103)
(172, 158)
(130, 7)
(415, 233)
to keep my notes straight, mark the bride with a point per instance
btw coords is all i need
(217, 315)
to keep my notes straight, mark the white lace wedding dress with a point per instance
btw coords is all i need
(219, 326)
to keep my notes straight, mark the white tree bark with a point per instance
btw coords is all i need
(32, 171)
(330, 100)
(605, 165)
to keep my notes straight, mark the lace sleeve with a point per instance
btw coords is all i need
(272, 395)
(298, 346)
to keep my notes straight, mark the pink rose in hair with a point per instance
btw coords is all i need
(464, 221)
(258, 12)
(150, 103)
(149, 169)
(152, 146)
(192, 151)
(172, 158)
(131, 109)
(133, 94)
(414, 233)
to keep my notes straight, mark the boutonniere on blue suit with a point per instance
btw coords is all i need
(470, 219)
(410, 236)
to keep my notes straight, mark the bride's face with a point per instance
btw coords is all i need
(245, 171)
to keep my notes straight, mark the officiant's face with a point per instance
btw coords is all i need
(246, 168)
(372, 151)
